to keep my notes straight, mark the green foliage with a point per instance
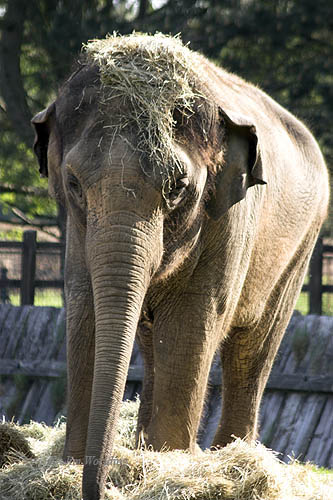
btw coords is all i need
(303, 303)
(322, 470)
(18, 168)
(12, 234)
(44, 297)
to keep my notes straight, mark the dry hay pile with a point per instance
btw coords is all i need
(153, 76)
(237, 472)
(12, 439)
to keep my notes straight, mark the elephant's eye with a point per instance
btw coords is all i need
(180, 186)
(75, 187)
(174, 193)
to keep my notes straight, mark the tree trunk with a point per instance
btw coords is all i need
(11, 84)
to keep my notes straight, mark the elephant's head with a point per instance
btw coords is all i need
(142, 163)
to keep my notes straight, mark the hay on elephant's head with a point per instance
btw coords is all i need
(237, 472)
(158, 81)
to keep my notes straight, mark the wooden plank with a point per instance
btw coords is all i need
(9, 396)
(135, 373)
(49, 245)
(318, 451)
(31, 337)
(44, 410)
(32, 401)
(299, 382)
(28, 267)
(327, 248)
(316, 271)
(55, 348)
(50, 367)
(136, 358)
(14, 329)
(310, 415)
(18, 245)
(282, 382)
(324, 289)
(26, 405)
(49, 283)
(284, 355)
(9, 283)
(289, 382)
(211, 417)
(47, 368)
(270, 411)
(6, 311)
(327, 454)
(286, 422)
(215, 376)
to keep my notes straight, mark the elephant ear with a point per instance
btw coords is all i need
(42, 125)
(242, 167)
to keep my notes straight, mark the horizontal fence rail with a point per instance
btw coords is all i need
(29, 248)
(280, 382)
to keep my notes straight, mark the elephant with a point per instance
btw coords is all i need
(193, 202)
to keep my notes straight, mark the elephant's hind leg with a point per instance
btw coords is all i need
(247, 356)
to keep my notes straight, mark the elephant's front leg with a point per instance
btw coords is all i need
(184, 346)
(80, 325)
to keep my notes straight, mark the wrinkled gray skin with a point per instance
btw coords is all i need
(214, 265)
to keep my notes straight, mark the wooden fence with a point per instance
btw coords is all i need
(29, 248)
(316, 288)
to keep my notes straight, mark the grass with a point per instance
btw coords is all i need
(322, 470)
(302, 304)
(239, 471)
(45, 297)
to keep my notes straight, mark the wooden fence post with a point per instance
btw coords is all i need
(28, 266)
(315, 282)
(4, 298)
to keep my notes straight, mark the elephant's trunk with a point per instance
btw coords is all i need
(121, 264)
